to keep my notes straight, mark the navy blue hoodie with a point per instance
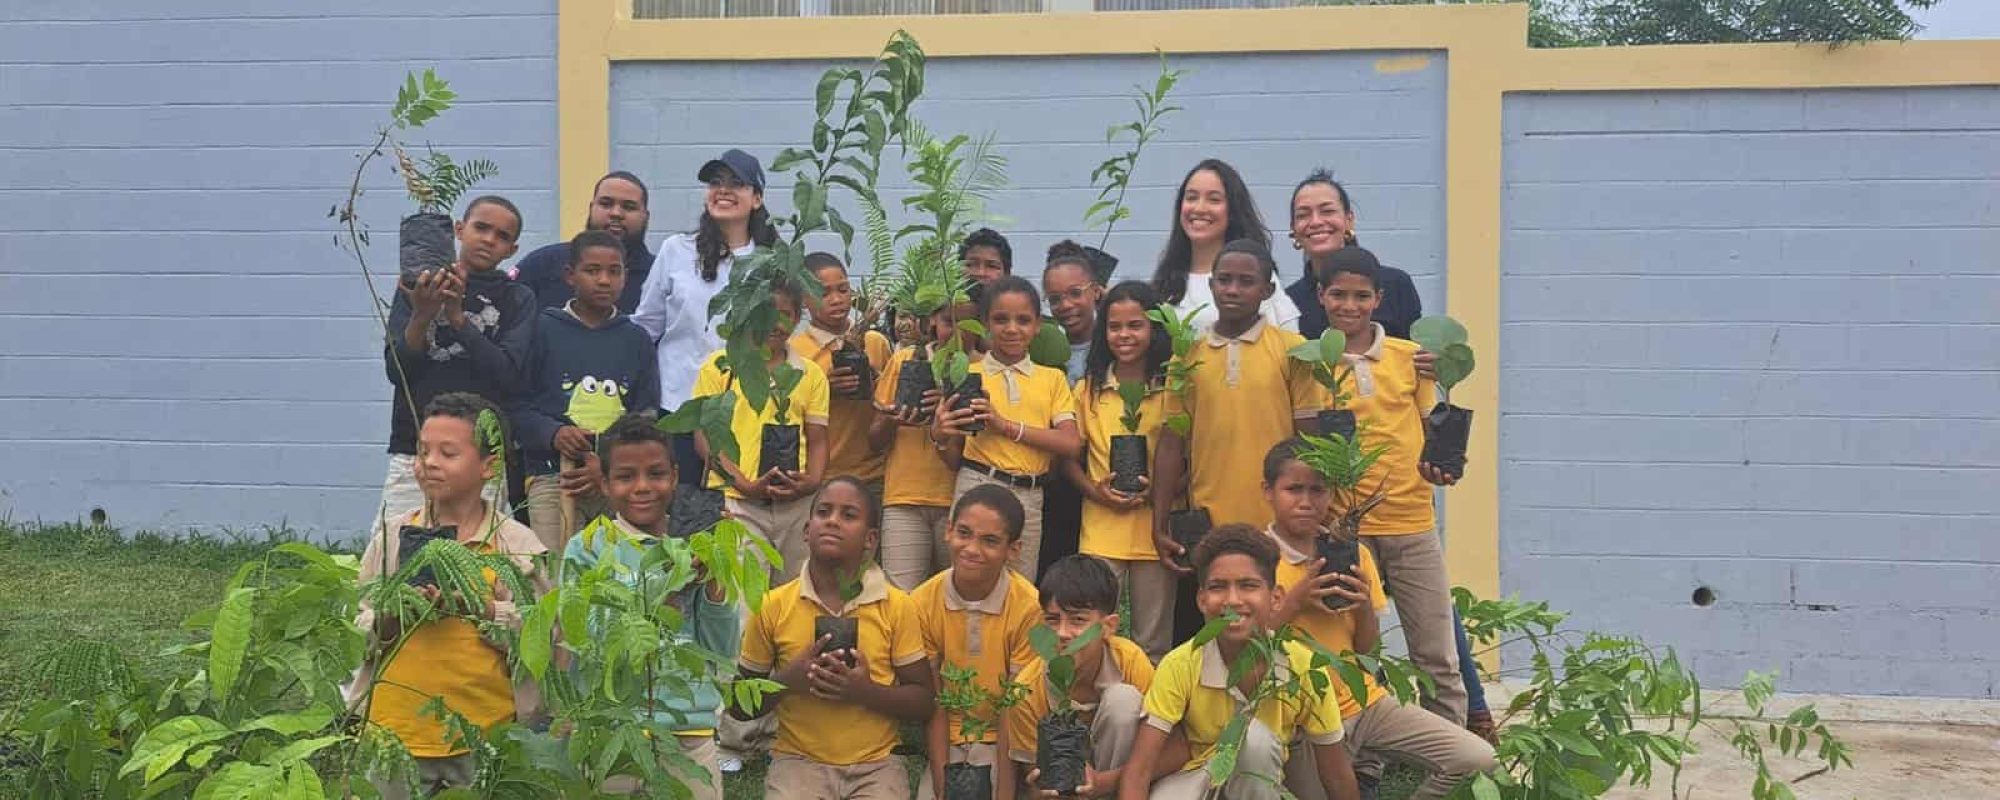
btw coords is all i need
(489, 357)
(582, 376)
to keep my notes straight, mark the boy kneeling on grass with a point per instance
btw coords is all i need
(1377, 725)
(638, 481)
(1112, 676)
(445, 656)
(1192, 693)
(976, 615)
(838, 712)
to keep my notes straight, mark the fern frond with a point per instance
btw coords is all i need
(83, 669)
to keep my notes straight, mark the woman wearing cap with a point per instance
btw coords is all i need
(688, 272)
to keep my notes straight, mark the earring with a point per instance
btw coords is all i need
(1350, 236)
(1296, 245)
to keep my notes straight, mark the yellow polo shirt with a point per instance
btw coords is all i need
(1107, 532)
(1245, 394)
(807, 406)
(826, 731)
(989, 635)
(847, 422)
(1389, 404)
(1333, 630)
(1124, 662)
(1025, 392)
(1191, 689)
(915, 473)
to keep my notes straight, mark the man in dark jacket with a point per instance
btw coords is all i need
(617, 207)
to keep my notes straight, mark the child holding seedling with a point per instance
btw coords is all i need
(638, 477)
(851, 363)
(1389, 401)
(432, 644)
(1377, 724)
(1245, 394)
(590, 366)
(918, 477)
(842, 700)
(772, 499)
(463, 327)
(1025, 418)
(1237, 685)
(975, 617)
(1105, 679)
(1121, 409)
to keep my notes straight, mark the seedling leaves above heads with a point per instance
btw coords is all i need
(1447, 338)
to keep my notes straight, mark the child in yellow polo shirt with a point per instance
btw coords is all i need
(771, 500)
(1247, 394)
(976, 615)
(1125, 347)
(1193, 694)
(1029, 413)
(849, 411)
(1111, 679)
(918, 480)
(1389, 402)
(445, 656)
(1377, 725)
(838, 713)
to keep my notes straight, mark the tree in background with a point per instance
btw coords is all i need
(1584, 23)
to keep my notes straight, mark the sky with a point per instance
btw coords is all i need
(1961, 19)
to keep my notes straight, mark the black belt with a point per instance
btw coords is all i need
(1003, 476)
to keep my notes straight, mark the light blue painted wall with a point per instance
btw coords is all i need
(181, 344)
(1752, 341)
(1272, 116)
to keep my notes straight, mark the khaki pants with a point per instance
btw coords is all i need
(545, 511)
(1259, 770)
(783, 524)
(433, 775)
(1031, 531)
(702, 750)
(913, 546)
(1152, 588)
(1413, 567)
(1449, 753)
(400, 493)
(794, 778)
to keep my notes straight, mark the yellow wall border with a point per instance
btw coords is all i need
(1487, 56)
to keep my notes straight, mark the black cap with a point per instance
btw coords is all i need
(743, 164)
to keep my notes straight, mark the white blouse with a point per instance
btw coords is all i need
(673, 308)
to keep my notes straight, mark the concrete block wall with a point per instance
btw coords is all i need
(181, 343)
(1375, 119)
(1751, 343)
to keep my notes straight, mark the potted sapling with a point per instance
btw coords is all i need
(424, 240)
(843, 632)
(1343, 461)
(411, 539)
(976, 709)
(1063, 737)
(869, 305)
(952, 373)
(1327, 356)
(926, 286)
(1185, 526)
(1447, 428)
(780, 447)
(1129, 459)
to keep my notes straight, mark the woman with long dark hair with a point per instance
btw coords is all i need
(688, 272)
(1322, 224)
(1213, 207)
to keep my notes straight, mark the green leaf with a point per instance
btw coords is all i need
(1083, 640)
(229, 641)
(1305, 351)
(1436, 331)
(537, 631)
(1483, 787)
(1573, 742)
(1212, 629)
(162, 746)
(1222, 765)
(789, 158)
(1332, 345)
(301, 750)
(829, 82)
(1454, 364)
(292, 724)
(809, 199)
(1044, 641)
(241, 780)
(684, 419)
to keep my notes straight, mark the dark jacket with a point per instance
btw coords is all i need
(582, 376)
(543, 269)
(488, 358)
(1400, 304)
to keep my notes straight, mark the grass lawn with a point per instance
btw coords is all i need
(78, 582)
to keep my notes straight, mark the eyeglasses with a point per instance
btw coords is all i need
(1075, 294)
(730, 183)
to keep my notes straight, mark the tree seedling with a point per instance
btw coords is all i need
(977, 711)
(1344, 463)
(845, 630)
(1327, 356)
(1129, 458)
(1447, 428)
(780, 447)
(425, 240)
(951, 371)
(1062, 737)
(1185, 526)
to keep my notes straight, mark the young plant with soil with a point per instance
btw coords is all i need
(1327, 356)
(780, 446)
(1129, 459)
(1344, 463)
(977, 710)
(1447, 428)
(951, 370)
(842, 633)
(1185, 526)
(1063, 737)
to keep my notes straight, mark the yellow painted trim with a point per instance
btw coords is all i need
(1486, 52)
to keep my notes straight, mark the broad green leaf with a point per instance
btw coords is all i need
(162, 746)
(302, 783)
(823, 94)
(241, 780)
(301, 750)
(1483, 787)
(537, 632)
(292, 724)
(1083, 640)
(1304, 351)
(229, 641)
(1212, 629)
(1332, 345)
(1222, 765)
(1043, 640)
(1435, 331)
